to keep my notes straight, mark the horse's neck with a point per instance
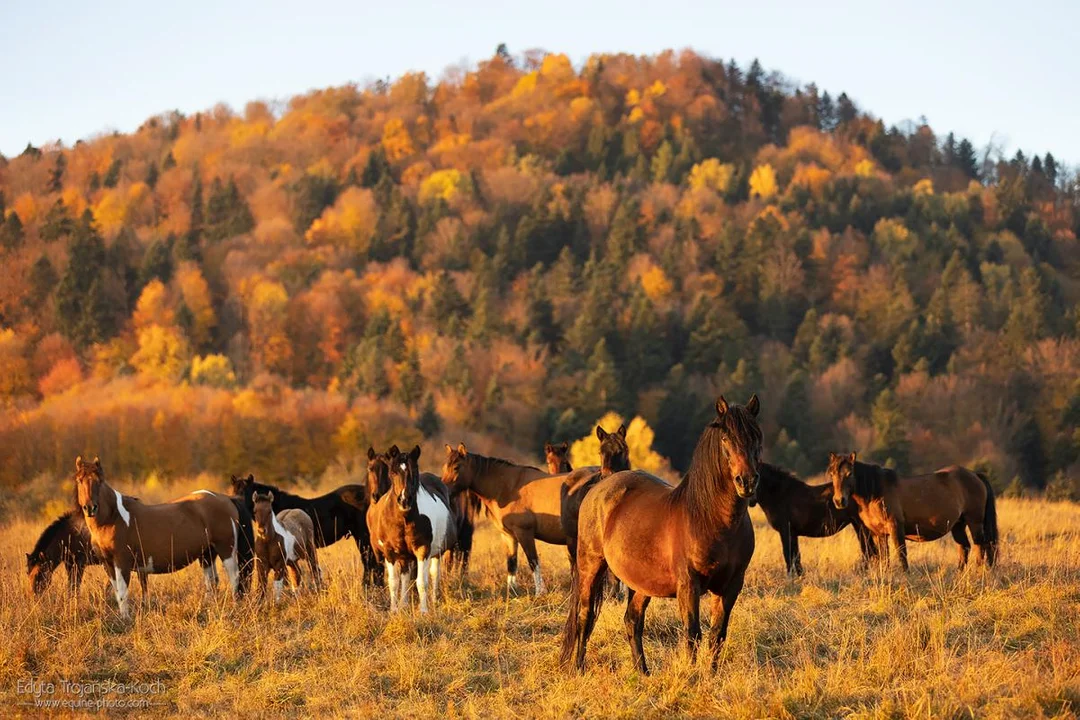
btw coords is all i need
(720, 511)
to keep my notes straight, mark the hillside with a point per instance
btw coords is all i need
(507, 254)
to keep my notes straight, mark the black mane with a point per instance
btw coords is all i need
(48, 535)
(871, 480)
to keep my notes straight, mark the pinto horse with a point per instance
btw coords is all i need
(794, 508)
(131, 535)
(336, 515)
(282, 540)
(557, 458)
(411, 526)
(921, 508)
(522, 501)
(670, 542)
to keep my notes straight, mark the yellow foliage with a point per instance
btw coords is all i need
(633, 97)
(711, 173)
(525, 85)
(243, 133)
(26, 207)
(396, 141)
(811, 177)
(763, 182)
(639, 438)
(445, 184)
(923, 187)
(110, 212)
(656, 283)
(15, 378)
(556, 66)
(636, 115)
(581, 107)
(865, 168)
(351, 221)
(656, 90)
(196, 295)
(321, 168)
(73, 201)
(212, 370)
(153, 306)
(163, 353)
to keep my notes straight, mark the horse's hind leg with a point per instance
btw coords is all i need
(511, 562)
(959, 533)
(590, 597)
(316, 571)
(634, 624)
(866, 545)
(528, 544)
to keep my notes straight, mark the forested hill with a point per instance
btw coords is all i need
(508, 253)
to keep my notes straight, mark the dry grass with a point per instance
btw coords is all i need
(938, 643)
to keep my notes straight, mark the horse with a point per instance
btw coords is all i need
(921, 508)
(614, 457)
(129, 534)
(794, 508)
(412, 526)
(557, 458)
(522, 501)
(335, 515)
(282, 540)
(65, 541)
(670, 542)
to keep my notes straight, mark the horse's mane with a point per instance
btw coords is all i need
(871, 480)
(48, 535)
(774, 477)
(483, 463)
(278, 492)
(707, 487)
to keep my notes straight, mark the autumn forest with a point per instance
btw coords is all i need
(507, 254)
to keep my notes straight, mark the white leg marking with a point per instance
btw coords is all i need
(435, 573)
(422, 583)
(511, 582)
(121, 588)
(391, 584)
(210, 577)
(404, 583)
(538, 580)
(232, 563)
(278, 585)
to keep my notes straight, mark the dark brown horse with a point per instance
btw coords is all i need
(921, 508)
(130, 535)
(557, 458)
(614, 457)
(671, 542)
(795, 509)
(522, 501)
(66, 541)
(338, 514)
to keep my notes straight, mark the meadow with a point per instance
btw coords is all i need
(836, 643)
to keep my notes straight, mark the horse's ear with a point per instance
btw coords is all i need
(601, 433)
(461, 449)
(415, 452)
(250, 479)
(449, 450)
(548, 448)
(621, 432)
(78, 463)
(721, 406)
(393, 451)
(97, 463)
(753, 405)
(370, 453)
(270, 497)
(851, 457)
(564, 446)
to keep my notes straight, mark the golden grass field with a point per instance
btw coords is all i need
(937, 643)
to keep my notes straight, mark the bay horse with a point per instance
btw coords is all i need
(412, 527)
(671, 542)
(614, 457)
(336, 515)
(920, 508)
(130, 535)
(282, 541)
(557, 458)
(522, 501)
(65, 541)
(795, 508)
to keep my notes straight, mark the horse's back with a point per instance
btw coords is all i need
(210, 507)
(297, 522)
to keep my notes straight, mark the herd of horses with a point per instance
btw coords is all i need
(620, 525)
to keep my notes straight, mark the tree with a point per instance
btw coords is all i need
(112, 175)
(601, 387)
(11, 232)
(429, 422)
(966, 159)
(891, 444)
(410, 380)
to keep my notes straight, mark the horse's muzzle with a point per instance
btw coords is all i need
(840, 502)
(90, 510)
(746, 487)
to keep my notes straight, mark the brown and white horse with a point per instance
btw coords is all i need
(282, 540)
(129, 535)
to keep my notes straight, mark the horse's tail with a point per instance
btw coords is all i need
(573, 628)
(990, 523)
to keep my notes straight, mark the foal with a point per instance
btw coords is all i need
(281, 542)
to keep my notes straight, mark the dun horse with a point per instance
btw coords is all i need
(671, 542)
(794, 508)
(66, 541)
(130, 535)
(412, 526)
(557, 458)
(522, 501)
(921, 508)
(336, 515)
(282, 541)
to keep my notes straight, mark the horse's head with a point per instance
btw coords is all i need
(405, 477)
(457, 471)
(841, 474)
(614, 452)
(39, 570)
(557, 457)
(239, 486)
(378, 473)
(740, 443)
(262, 514)
(89, 478)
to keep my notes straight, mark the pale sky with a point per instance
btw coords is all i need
(70, 70)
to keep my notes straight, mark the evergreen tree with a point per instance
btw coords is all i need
(57, 223)
(827, 112)
(152, 176)
(410, 380)
(157, 263)
(312, 195)
(891, 445)
(601, 387)
(112, 175)
(56, 176)
(429, 423)
(42, 281)
(966, 159)
(846, 112)
(11, 232)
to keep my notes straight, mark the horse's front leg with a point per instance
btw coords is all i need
(121, 578)
(896, 533)
(528, 544)
(511, 544)
(688, 595)
(721, 615)
(867, 549)
(422, 570)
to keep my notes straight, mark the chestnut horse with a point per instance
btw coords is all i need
(671, 542)
(614, 457)
(131, 535)
(411, 527)
(794, 508)
(522, 501)
(282, 540)
(557, 458)
(921, 508)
